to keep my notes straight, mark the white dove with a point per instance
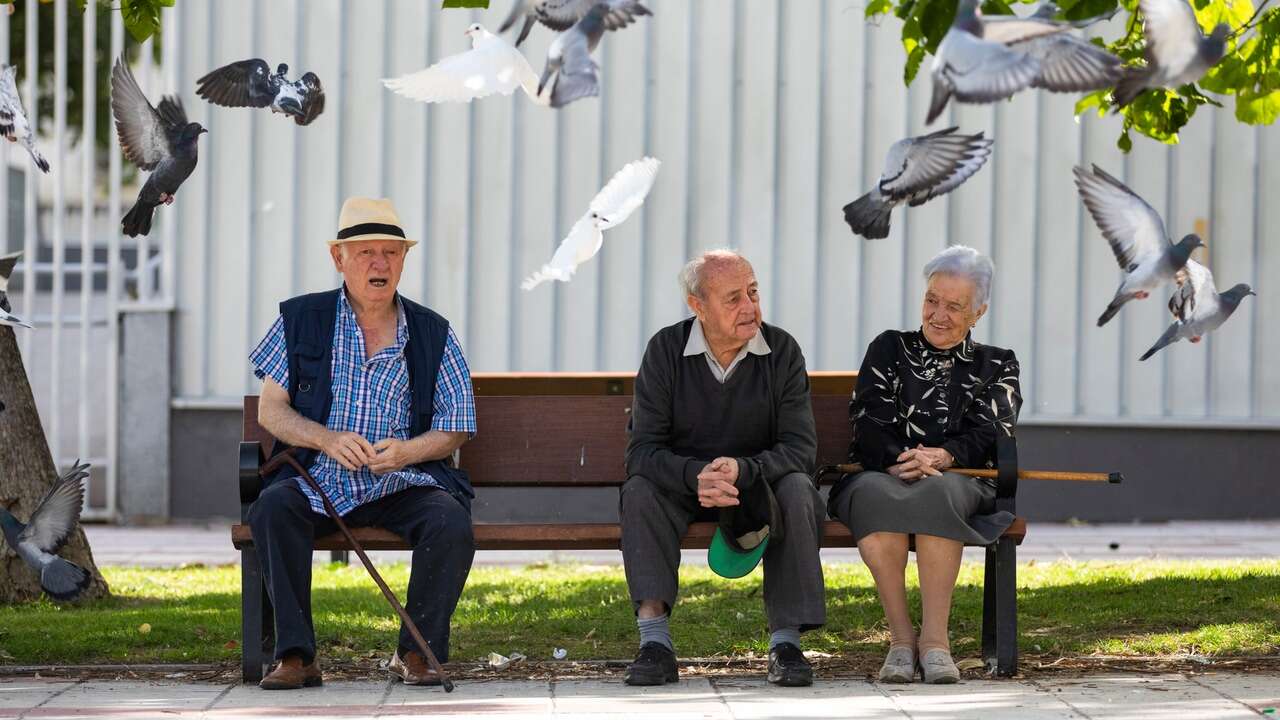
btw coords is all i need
(13, 121)
(624, 193)
(6, 312)
(491, 66)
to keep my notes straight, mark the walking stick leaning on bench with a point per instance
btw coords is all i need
(1114, 478)
(287, 457)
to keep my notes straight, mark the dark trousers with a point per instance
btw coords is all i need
(428, 518)
(653, 523)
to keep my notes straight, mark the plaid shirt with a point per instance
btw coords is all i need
(371, 397)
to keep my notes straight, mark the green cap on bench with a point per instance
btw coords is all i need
(731, 559)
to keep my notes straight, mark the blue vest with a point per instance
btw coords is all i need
(309, 322)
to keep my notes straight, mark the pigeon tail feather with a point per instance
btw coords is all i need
(1116, 303)
(941, 94)
(63, 579)
(1130, 85)
(1169, 337)
(138, 220)
(39, 159)
(546, 274)
(868, 217)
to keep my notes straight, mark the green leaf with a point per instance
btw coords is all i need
(142, 17)
(1124, 142)
(1258, 109)
(1096, 99)
(878, 7)
(465, 4)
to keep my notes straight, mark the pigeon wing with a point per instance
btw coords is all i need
(7, 263)
(1172, 32)
(312, 99)
(930, 165)
(981, 71)
(492, 67)
(139, 127)
(560, 15)
(582, 243)
(626, 191)
(1009, 29)
(1071, 64)
(10, 103)
(247, 83)
(579, 76)
(1196, 295)
(1131, 226)
(58, 512)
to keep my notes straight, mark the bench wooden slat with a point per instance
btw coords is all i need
(572, 536)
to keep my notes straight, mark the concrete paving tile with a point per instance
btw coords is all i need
(751, 699)
(1137, 698)
(689, 698)
(987, 699)
(524, 698)
(137, 695)
(22, 693)
(1257, 691)
(332, 693)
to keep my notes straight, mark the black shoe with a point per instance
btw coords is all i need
(655, 665)
(788, 667)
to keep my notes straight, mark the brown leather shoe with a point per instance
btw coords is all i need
(291, 674)
(413, 669)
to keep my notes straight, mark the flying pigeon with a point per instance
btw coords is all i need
(560, 15)
(491, 66)
(6, 311)
(916, 170)
(1197, 306)
(1136, 235)
(569, 61)
(38, 541)
(249, 83)
(13, 121)
(985, 59)
(156, 139)
(1177, 52)
(624, 193)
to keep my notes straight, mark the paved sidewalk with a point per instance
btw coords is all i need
(1128, 696)
(169, 545)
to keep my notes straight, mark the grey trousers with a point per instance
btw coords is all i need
(653, 523)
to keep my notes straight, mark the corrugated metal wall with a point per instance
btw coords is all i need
(768, 117)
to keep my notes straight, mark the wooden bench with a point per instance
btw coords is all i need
(569, 430)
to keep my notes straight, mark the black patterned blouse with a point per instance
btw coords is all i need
(910, 393)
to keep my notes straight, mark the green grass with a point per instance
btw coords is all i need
(1139, 608)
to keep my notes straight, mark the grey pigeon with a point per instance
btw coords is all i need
(560, 15)
(917, 170)
(39, 540)
(576, 75)
(1177, 52)
(985, 59)
(13, 120)
(1197, 306)
(249, 83)
(1136, 235)
(6, 310)
(156, 139)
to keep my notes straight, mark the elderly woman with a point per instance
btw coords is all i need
(928, 400)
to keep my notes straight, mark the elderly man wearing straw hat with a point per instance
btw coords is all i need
(373, 391)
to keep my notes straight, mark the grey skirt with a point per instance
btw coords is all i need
(949, 505)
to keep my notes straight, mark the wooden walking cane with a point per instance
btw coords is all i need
(1114, 478)
(287, 457)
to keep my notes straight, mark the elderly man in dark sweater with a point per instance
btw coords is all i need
(721, 403)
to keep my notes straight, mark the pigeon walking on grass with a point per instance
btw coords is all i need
(160, 140)
(1136, 235)
(916, 170)
(491, 66)
(38, 541)
(6, 311)
(624, 193)
(560, 15)
(983, 60)
(1197, 306)
(249, 83)
(1177, 52)
(13, 120)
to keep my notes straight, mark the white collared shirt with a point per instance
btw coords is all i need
(697, 345)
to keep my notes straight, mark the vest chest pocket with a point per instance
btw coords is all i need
(309, 364)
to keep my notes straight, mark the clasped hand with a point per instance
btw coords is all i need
(716, 483)
(353, 452)
(920, 461)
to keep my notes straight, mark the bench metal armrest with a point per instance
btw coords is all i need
(250, 480)
(1006, 472)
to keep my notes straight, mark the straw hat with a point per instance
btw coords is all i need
(369, 219)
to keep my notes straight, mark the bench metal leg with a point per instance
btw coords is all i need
(989, 610)
(253, 659)
(340, 556)
(1006, 608)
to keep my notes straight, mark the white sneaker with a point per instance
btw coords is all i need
(938, 667)
(899, 665)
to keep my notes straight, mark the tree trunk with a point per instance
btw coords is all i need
(26, 473)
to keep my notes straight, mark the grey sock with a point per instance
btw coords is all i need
(788, 635)
(656, 630)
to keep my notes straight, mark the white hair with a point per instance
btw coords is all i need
(964, 262)
(694, 274)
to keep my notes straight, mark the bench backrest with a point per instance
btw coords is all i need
(569, 429)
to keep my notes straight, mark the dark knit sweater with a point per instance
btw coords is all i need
(682, 417)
